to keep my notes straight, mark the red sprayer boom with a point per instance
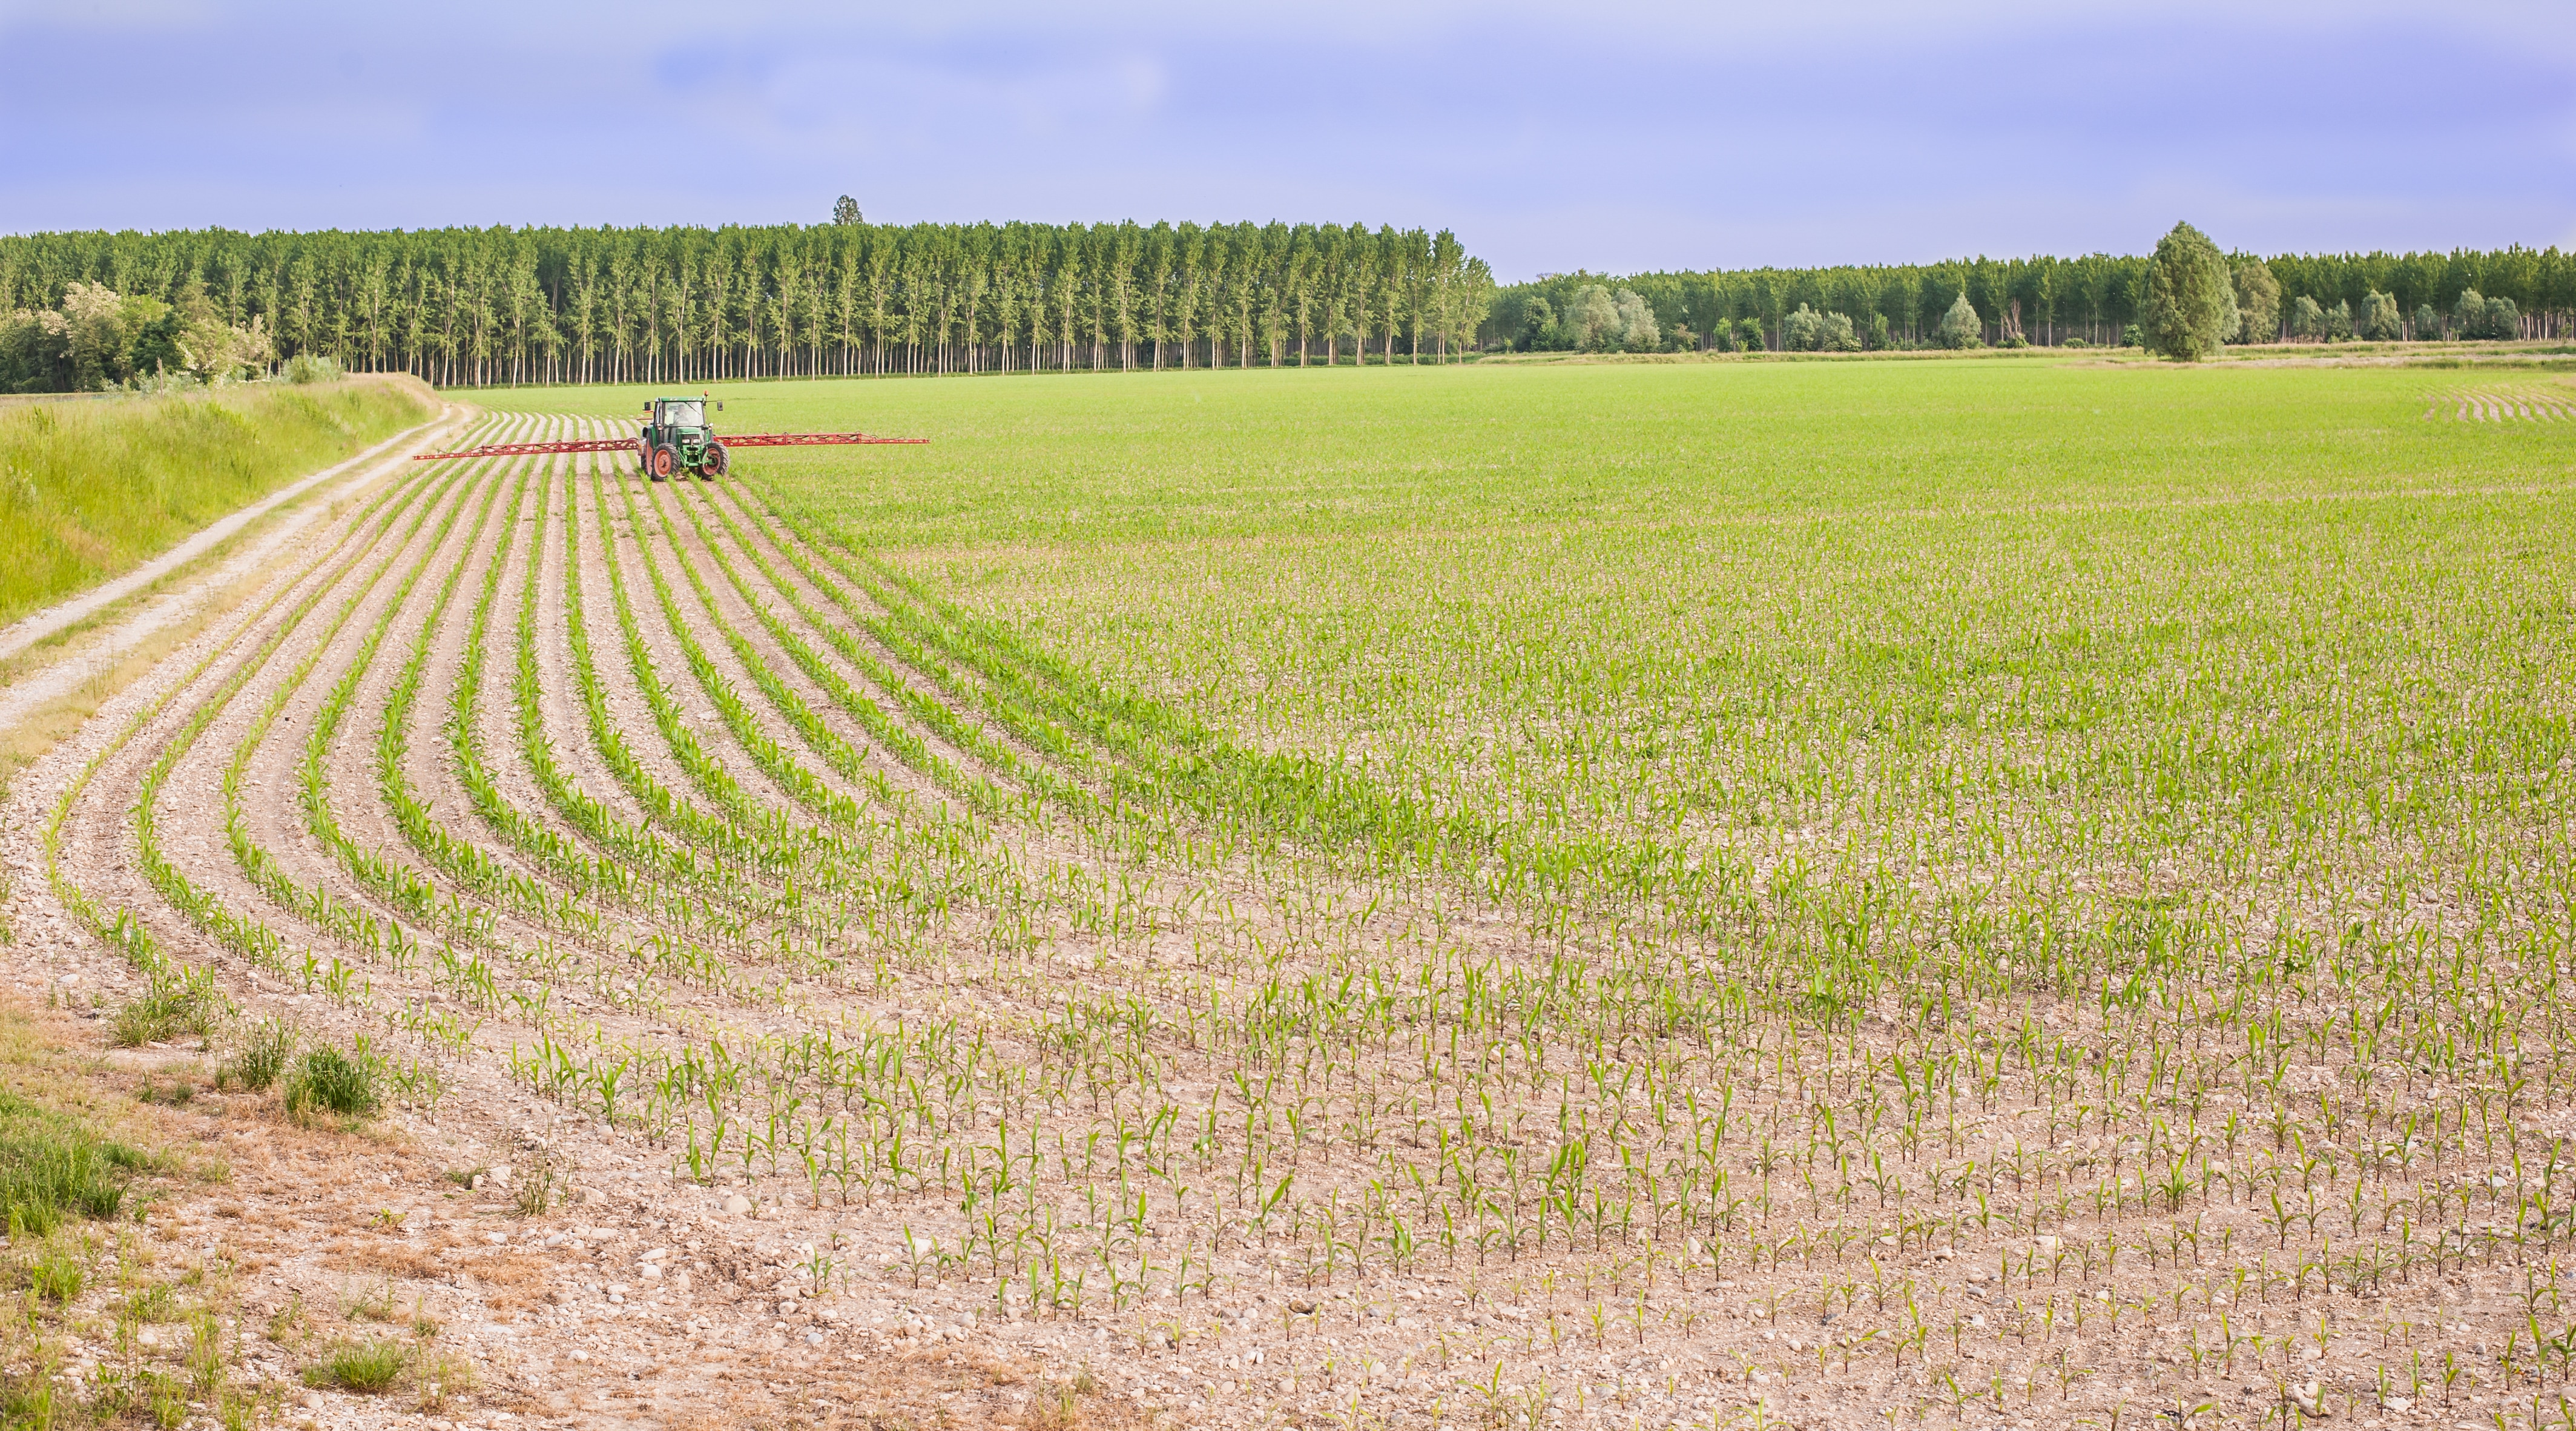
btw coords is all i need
(627, 444)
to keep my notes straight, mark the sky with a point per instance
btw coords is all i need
(1612, 136)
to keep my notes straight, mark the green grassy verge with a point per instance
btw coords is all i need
(87, 490)
(57, 1165)
(53, 1167)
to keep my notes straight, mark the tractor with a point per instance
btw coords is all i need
(676, 439)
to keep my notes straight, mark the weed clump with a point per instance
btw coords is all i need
(366, 1367)
(437, 1376)
(170, 1008)
(53, 1167)
(180, 1092)
(57, 1277)
(329, 1081)
(155, 1302)
(259, 1056)
(539, 1185)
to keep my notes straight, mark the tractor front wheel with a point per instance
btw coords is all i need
(712, 465)
(665, 462)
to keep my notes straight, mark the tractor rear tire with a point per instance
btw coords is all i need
(712, 466)
(665, 462)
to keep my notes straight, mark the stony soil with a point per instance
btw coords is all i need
(565, 1249)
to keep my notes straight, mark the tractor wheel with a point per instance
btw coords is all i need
(665, 462)
(712, 466)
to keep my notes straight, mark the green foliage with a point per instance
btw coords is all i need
(2052, 300)
(2307, 320)
(327, 1080)
(2469, 314)
(35, 348)
(89, 489)
(1638, 330)
(53, 1166)
(2258, 301)
(306, 368)
(1599, 319)
(2428, 323)
(1807, 331)
(437, 1376)
(1591, 321)
(538, 1185)
(2191, 297)
(170, 1006)
(1539, 328)
(366, 1367)
(2474, 315)
(259, 1056)
(692, 304)
(99, 340)
(2503, 322)
(153, 1302)
(2338, 323)
(57, 1276)
(1960, 327)
(2380, 320)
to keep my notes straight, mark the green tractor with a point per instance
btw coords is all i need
(677, 441)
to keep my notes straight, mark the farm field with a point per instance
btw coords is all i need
(1831, 894)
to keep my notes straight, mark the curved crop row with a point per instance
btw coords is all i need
(1060, 1002)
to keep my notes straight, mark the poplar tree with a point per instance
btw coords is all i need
(2380, 322)
(2469, 315)
(2258, 302)
(2191, 297)
(685, 304)
(1961, 327)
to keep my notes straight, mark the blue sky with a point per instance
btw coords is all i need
(1614, 136)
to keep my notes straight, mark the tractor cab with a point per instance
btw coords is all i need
(677, 440)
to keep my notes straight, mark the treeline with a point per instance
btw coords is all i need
(2094, 300)
(515, 306)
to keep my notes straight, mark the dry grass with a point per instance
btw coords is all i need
(916, 1393)
(385, 1256)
